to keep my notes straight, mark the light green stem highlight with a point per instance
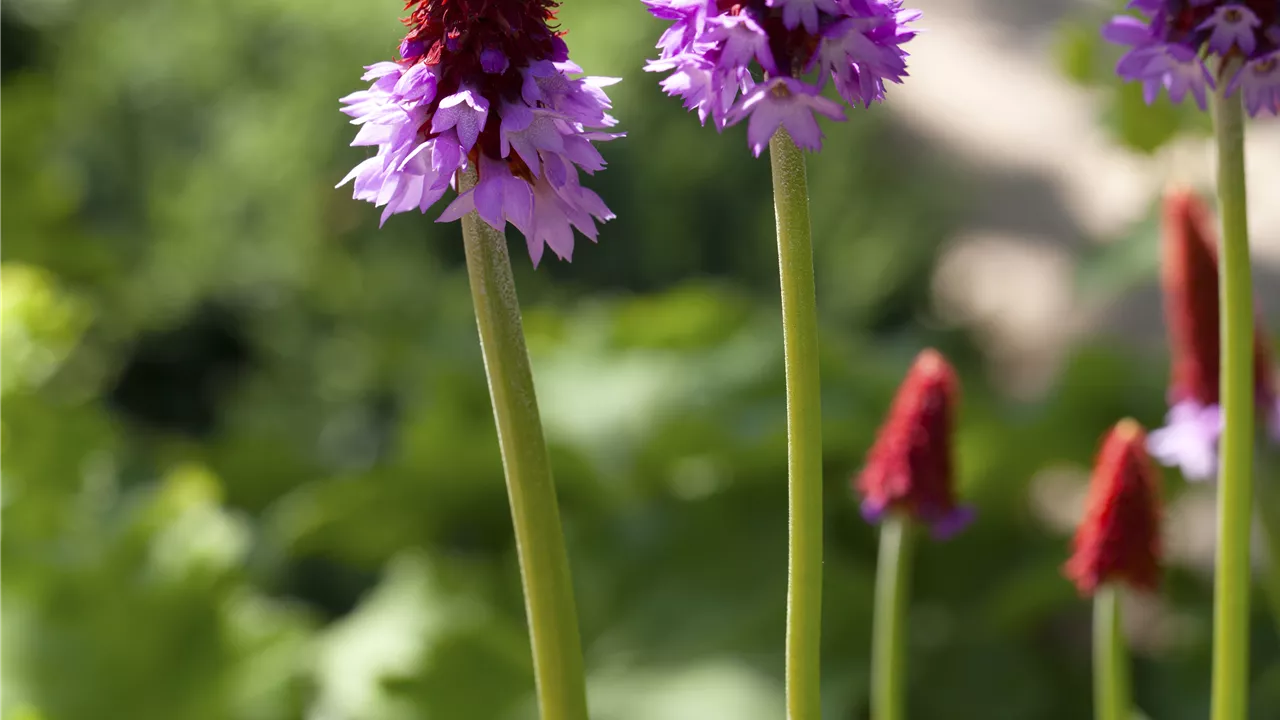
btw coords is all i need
(544, 565)
(1112, 698)
(1232, 580)
(804, 428)
(889, 632)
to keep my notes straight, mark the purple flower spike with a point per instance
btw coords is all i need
(488, 87)
(1179, 41)
(767, 60)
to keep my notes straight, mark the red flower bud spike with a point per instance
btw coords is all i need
(1189, 438)
(1190, 282)
(910, 468)
(1119, 537)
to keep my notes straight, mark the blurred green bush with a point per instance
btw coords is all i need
(249, 464)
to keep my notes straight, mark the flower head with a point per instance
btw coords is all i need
(487, 85)
(1178, 43)
(1189, 438)
(909, 467)
(1119, 537)
(732, 60)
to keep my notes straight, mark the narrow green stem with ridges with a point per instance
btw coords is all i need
(804, 428)
(1232, 579)
(1112, 698)
(544, 564)
(889, 631)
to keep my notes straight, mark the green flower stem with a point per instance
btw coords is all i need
(1231, 583)
(1112, 698)
(889, 633)
(544, 565)
(804, 428)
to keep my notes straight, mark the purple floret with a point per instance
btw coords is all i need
(1189, 439)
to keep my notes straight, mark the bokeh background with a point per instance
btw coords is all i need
(249, 467)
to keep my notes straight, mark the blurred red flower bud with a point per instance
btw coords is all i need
(1191, 300)
(909, 468)
(1119, 536)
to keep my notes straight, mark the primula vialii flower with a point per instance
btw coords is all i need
(489, 84)
(1189, 438)
(909, 468)
(1119, 537)
(1179, 45)
(713, 47)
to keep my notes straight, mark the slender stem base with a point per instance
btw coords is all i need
(889, 631)
(804, 428)
(1111, 691)
(544, 565)
(1232, 579)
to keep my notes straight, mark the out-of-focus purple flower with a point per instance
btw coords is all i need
(485, 84)
(1189, 439)
(1181, 46)
(1260, 83)
(1193, 426)
(767, 60)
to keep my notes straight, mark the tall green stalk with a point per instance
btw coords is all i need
(544, 565)
(1232, 580)
(804, 428)
(1111, 693)
(889, 632)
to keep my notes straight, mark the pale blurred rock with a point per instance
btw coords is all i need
(985, 86)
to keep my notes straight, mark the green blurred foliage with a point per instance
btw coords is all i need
(249, 465)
